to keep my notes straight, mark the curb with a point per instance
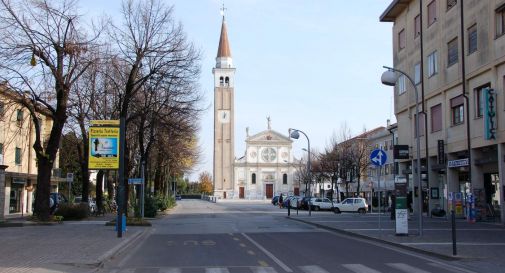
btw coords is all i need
(361, 236)
(120, 248)
(27, 224)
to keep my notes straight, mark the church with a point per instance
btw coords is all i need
(267, 167)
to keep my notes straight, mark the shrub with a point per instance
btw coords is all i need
(164, 202)
(150, 207)
(72, 211)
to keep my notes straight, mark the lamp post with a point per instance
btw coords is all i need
(389, 78)
(294, 133)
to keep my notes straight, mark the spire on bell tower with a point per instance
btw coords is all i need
(223, 59)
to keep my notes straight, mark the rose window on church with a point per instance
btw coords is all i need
(268, 154)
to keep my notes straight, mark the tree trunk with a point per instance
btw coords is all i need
(44, 169)
(99, 192)
(110, 186)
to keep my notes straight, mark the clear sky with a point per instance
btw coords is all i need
(309, 65)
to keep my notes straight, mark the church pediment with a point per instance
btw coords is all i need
(268, 136)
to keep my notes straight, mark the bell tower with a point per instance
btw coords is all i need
(224, 112)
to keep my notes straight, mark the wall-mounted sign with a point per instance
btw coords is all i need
(489, 113)
(457, 163)
(103, 148)
(441, 152)
(401, 151)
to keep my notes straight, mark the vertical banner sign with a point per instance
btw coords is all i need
(490, 113)
(103, 148)
(441, 152)
(401, 209)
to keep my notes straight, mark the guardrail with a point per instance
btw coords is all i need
(210, 198)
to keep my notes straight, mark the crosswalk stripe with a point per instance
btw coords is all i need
(261, 269)
(312, 269)
(169, 270)
(451, 268)
(406, 268)
(217, 270)
(359, 268)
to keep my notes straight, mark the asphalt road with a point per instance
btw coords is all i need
(199, 236)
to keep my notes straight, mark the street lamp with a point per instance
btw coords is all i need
(389, 78)
(294, 133)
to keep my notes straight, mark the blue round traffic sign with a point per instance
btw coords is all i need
(378, 157)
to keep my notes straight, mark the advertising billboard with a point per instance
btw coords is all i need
(103, 148)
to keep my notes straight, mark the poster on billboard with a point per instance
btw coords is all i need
(103, 148)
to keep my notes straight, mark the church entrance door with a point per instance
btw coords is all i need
(269, 190)
(241, 193)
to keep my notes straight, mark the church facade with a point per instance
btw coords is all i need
(267, 168)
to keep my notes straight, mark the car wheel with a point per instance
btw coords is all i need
(316, 208)
(362, 211)
(336, 210)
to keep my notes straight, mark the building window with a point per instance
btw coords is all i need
(18, 156)
(451, 3)
(457, 110)
(452, 52)
(479, 100)
(432, 63)
(402, 88)
(472, 39)
(401, 39)
(2, 109)
(284, 179)
(19, 116)
(396, 167)
(500, 20)
(417, 26)
(432, 12)
(436, 118)
(417, 73)
(221, 81)
(253, 178)
(227, 81)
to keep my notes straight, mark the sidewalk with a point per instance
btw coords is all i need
(73, 246)
(477, 243)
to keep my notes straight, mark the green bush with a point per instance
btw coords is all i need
(72, 211)
(150, 206)
(164, 202)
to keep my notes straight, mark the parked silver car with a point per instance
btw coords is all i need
(355, 204)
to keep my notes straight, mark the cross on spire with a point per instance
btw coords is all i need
(223, 9)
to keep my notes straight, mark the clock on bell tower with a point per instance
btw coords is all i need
(224, 155)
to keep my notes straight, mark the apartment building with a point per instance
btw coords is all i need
(17, 135)
(455, 53)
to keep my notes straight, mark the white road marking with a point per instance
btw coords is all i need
(451, 268)
(263, 270)
(268, 253)
(359, 268)
(459, 243)
(312, 269)
(217, 270)
(406, 268)
(169, 270)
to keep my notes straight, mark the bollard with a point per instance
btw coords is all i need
(297, 206)
(453, 224)
(289, 209)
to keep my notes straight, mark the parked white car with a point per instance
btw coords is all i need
(352, 205)
(295, 201)
(321, 204)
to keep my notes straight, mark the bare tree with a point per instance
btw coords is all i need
(47, 35)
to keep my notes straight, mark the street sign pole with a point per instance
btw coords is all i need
(142, 192)
(378, 157)
(121, 188)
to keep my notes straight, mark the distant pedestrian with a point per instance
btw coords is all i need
(280, 201)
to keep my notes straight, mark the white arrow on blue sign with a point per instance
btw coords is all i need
(378, 157)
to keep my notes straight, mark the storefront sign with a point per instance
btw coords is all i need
(401, 210)
(441, 152)
(457, 163)
(489, 113)
(401, 151)
(103, 148)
